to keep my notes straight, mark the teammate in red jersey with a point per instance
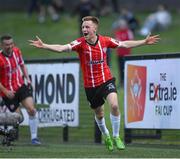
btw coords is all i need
(122, 33)
(12, 85)
(98, 81)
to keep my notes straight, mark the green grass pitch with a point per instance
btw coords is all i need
(81, 141)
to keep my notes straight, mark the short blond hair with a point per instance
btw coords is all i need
(94, 19)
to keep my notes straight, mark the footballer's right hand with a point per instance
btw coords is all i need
(37, 43)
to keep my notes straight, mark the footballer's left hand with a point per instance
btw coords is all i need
(152, 39)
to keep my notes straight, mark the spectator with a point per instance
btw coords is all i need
(122, 33)
(129, 17)
(58, 5)
(115, 6)
(108, 6)
(161, 19)
(84, 8)
(104, 7)
(47, 5)
(33, 5)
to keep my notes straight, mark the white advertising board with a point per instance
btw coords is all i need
(56, 90)
(152, 94)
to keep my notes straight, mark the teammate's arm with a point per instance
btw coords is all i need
(2, 88)
(25, 73)
(9, 94)
(57, 48)
(149, 40)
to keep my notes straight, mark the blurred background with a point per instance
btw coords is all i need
(137, 5)
(58, 22)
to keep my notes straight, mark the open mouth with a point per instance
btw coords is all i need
(85, 34)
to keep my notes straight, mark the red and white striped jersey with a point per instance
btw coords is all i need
(93, 59)
(10, 72)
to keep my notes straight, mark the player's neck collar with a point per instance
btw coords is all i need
(93, 44)
(6, 54)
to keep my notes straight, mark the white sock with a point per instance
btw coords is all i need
(115, 122)
(33, 124)
(102, 126)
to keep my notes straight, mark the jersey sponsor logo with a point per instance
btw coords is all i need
(74, 43)
(11, 70)
(95, 62)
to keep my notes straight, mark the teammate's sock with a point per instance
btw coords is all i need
(33, 124)
(102, 126)
(115, 121)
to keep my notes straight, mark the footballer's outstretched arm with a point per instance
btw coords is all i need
(149, 40)
(57, 48)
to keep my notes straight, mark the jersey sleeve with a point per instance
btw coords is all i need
(112, 43)
(75, 45)
(1, 62)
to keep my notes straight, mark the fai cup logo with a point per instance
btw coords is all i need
(136, 92)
